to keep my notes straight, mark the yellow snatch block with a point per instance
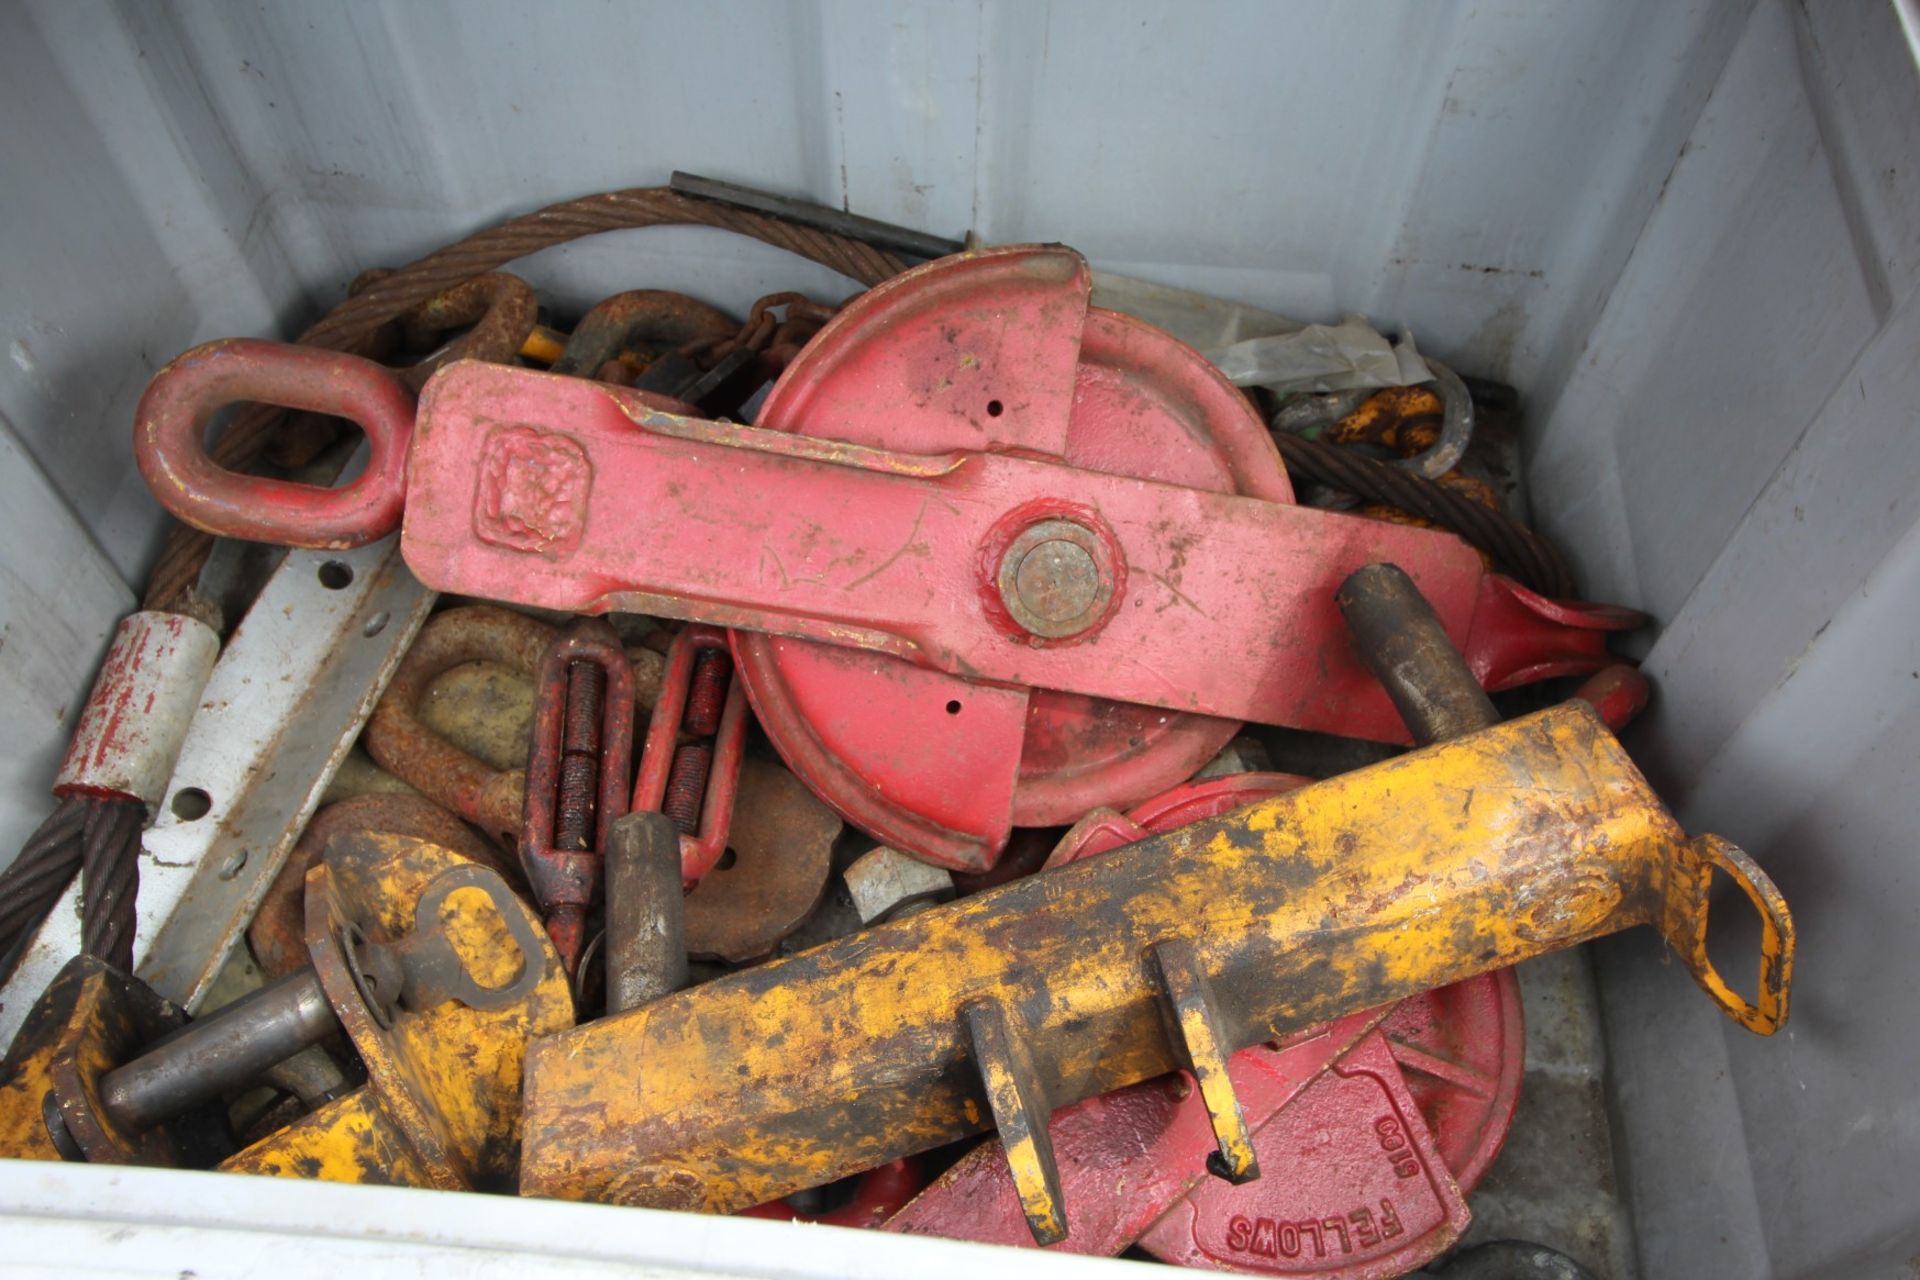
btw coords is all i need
(441, 1105)
(1468, 856)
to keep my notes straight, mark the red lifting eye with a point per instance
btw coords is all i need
(170, 430)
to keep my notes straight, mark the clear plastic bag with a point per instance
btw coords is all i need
(1256, 348)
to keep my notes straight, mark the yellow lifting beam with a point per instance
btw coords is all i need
(1449, 861)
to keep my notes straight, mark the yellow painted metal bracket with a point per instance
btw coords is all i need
(1017, 1098)
(441, 1106)
(1449, 861)
(1687, 895)
(1200, 1039)
(90, 1019)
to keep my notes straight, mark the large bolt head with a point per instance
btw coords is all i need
(1054, 579)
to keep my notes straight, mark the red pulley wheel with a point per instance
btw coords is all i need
(996, 350)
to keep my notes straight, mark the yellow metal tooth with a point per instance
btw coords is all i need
(1197, 1035)
(1449, 861)
(1018, 1101)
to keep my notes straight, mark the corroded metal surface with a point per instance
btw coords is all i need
(646, 937)
(639, 315)
(497, 310)
(1337, 1198)
(781, 839)
(1400, 638)
(225, 1050)
(1133, 1162)
(491, 799)
(288, 695)
(933, 499)
(578, 767)
(436, 972)
(964, 534)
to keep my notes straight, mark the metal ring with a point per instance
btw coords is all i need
(439, 965)
(1456, 426)
(170, 443)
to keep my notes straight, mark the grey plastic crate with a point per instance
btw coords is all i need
(1687, 230)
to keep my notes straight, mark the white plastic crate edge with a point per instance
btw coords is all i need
(119, 1220)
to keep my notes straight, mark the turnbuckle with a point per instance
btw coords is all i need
(577, 769)
(694, 782)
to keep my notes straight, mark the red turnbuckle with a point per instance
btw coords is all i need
(577, 770)
(694, 781)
